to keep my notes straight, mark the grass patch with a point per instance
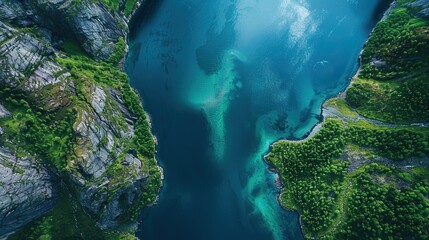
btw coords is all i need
(342, 107)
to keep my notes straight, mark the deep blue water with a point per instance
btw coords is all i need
(222, 80)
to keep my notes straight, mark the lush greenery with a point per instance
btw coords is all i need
(347, 181)
(129, 7)
(319, 185)
(85, 70)
(37, 131)
(383, 211)
(401, 41)
(114, 5)
(397, 91)
(118, 52)
(42, 124)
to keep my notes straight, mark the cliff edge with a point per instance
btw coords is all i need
(67, 112)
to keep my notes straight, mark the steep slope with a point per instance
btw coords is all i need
(27, 188)
(71, 116)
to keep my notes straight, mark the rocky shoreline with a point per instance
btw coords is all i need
(31, 39)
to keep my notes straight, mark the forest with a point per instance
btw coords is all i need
(395, 91)
(349, 181)
(319, 184)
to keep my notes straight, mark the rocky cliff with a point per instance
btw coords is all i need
(90, 22)
(27, 190)
(70, 110)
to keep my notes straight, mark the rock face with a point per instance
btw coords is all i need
(424, 7)
(106, 174)
(91, 23)
(104, 129)
(378, 63)
(14, 12)
(26, 191)
(4, 112)
(20, 52)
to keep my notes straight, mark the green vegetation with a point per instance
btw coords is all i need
(421, 174)
(399, 90)
(113, 5)
(319, 186)
(46, 134)
(42, 124)
(85, 71)
(401, 41)
(118, 52)
(342, 107)
(73, 48)
(129, 7)
(381, 211)
(347, 181)
(395, 144)
(392, 102)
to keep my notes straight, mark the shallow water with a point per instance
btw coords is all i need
(222, 80)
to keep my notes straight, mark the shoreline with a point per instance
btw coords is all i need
(138, 9)
(325, 113)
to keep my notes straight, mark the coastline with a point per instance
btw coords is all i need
(325, 113)
(137, 10)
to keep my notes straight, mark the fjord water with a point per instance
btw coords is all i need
(222, 80)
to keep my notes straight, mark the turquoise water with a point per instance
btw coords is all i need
(222, 80)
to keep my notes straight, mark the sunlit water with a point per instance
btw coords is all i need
(222, 80)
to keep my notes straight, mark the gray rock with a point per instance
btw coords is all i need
(378, 63)
(94, 26)
(98, 101)
(27, 60)
(26, 191)
(13, 11)
(424, 5)
(45, 74)
(4, 112)
(132, 160)
(105, 129)
(21, 53)
(126, 196)
(6, 32)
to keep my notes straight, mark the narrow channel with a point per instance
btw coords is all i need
(222, 80)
